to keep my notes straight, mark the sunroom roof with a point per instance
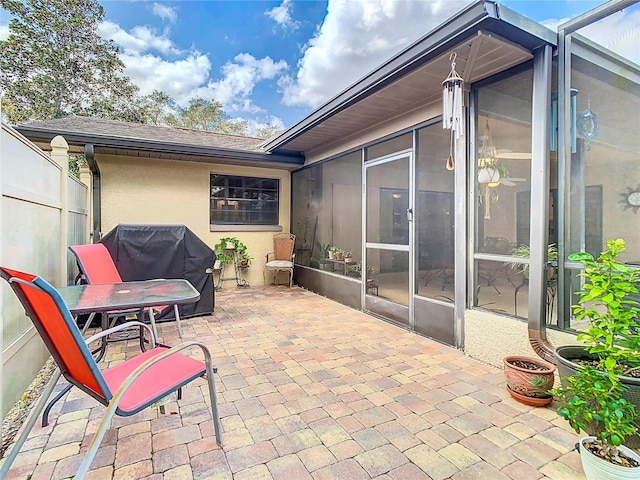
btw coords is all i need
(487, 38)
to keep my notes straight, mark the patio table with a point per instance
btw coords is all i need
(127, 295)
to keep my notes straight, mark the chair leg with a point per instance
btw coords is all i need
(28, 425)
(152, 319)
(175, 310)
(97, 440)
(214, 400)
(45, 413)
(89, 320)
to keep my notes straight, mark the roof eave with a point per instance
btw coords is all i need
(443, 37)
(106, 141)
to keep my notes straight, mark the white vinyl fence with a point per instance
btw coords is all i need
(43, 210)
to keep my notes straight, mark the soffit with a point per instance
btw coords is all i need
(478, 57)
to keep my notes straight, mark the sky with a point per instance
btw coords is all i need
(274, 62)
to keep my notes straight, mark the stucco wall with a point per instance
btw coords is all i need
(490, 337)
(148, 191)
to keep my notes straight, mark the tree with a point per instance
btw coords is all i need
(267, 131)
(235, 126)
(153, 107)
(199, 114)
(53, 64)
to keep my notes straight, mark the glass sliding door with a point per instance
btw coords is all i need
(388, 216)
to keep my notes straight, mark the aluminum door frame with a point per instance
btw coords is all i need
(408, 154)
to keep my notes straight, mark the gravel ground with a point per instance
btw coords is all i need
(14, 419)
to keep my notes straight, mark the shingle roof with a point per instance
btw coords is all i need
(100, 128)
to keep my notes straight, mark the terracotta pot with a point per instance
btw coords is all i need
(531, 401)
(533, 383)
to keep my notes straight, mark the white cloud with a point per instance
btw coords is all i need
(4, 31)
(139, 39)
(165, 12)
(239, 79)
(179, 78)
(190, 76)
(357, 36)
(282, 15)
(619, 33)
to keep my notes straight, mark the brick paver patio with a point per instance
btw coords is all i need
(311, 389)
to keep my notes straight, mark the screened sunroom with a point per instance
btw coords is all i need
(472, 254)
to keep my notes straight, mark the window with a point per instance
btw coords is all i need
(244, 200)
(503, 186)
(327, 210)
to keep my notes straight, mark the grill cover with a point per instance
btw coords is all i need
(146, 252)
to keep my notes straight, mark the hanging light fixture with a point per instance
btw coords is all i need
(488, 170)
(452, 90)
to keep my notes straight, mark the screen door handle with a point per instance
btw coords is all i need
(410, 214)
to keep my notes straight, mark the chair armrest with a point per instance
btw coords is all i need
(117, 328)
(269, 255)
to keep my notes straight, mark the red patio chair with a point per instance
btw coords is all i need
(96, 266)
(124, 389)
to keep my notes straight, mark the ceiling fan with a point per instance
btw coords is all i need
(504, 154)
(511, 181)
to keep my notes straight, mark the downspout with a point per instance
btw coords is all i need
(90, 156)
(539, 237)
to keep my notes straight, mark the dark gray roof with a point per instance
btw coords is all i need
(142, 140)
(98, 127)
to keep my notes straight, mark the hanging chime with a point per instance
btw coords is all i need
(452, 91)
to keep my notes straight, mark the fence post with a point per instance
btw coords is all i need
(86, 177)
(60, 155)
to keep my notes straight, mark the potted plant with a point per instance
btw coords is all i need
(244, 260)
(529, 380)
(332, 252)
(226, 247)
(323, 251)
(596, 395)
(611, 351)
(348, 256)
(524, 251)
(356, 268)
